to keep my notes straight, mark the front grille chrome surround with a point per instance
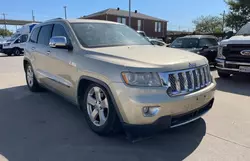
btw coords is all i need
(186, 81)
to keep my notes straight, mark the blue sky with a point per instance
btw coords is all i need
(179, 13)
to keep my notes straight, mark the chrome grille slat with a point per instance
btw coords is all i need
(177, 83)
(186, 81)
(202, 77)
(198, 78)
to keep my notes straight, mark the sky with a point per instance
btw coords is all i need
(179, 13)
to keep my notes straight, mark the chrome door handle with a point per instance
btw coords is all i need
(33, 48)
(48, 52)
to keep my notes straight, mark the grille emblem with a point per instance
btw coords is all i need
(192, 65)
(245, 52)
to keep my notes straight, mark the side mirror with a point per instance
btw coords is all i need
(204, 47)
(58, 42)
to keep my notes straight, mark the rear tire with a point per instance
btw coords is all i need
(99, 110)
(31, 80)
(223, 74)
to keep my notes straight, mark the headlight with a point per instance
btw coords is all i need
(6, 44)
(142, 79)
(220, 52)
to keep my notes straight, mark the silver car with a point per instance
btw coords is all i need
(116, 77)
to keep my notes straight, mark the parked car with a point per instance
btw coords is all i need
(16, 43)
(157, 42)
(114, 76)
(204, 45)
(234, 54)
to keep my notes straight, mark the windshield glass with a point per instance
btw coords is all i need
(185, 43)
(245, 30)
(208, 42)
(105, 34)
(13, 37)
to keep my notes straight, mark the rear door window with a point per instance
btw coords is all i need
(45, 34)
(34, 34)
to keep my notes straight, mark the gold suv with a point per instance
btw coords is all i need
(116, 77)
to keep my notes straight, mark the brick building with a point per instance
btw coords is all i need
(153, 27)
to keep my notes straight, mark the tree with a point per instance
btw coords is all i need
(5, 33)
(239, 13)
(208, 24)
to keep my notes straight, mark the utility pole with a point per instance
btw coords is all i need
(5, 26)
(223, 20)
(33, 17)
(65, 12)
(129, 13)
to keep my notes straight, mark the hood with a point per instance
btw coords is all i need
(147, 56)
(236, 40)
(196, 50)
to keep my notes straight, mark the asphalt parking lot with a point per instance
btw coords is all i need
(45, 127)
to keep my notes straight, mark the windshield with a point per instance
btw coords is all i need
(245, 30)
(208, 42)
(185, 43)
(13, 37)
(105, 34)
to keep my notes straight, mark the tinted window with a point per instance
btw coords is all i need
(34, 34)
(107, 34)
(185, 43)
(208, 42)
(59, 30)
(45, 34)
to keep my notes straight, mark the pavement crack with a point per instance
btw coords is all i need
(218, 137)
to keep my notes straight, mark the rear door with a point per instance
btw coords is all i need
(42, 56)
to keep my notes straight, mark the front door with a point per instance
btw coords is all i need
(62, 65)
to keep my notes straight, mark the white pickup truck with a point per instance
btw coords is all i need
(234, 54)
(16, 43)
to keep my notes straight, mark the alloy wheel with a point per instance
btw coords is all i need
(30, 76)
(97, 106)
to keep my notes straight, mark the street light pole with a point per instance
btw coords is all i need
(65, 12)
(5, 26)
(129, 13)
(33, 17)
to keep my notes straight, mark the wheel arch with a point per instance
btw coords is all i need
(25, 62)
(83, 83)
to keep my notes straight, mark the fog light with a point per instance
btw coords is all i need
(150, 111)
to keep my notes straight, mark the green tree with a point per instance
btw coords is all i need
(208, 24)
(5, 33)
(239, 13)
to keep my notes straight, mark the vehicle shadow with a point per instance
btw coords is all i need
(43, 126)
(238, 84)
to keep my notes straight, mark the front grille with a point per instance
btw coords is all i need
(186, 81)
(232, 52)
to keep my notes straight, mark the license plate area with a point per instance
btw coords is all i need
(244, 69)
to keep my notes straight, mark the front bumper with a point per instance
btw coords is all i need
(230, 66)
(167, 122)
(130, 102)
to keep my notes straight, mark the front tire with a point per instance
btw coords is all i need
(17, 52)
(31, 80)
(99, 110)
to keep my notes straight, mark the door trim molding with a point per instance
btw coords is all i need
(55, 78)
